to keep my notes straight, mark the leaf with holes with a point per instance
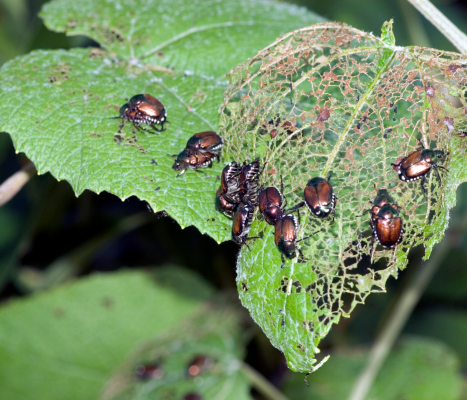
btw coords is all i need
(58, 106)
(334, 102)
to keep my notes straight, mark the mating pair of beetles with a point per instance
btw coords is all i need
(144, 109)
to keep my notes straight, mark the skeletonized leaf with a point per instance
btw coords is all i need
(356, 103)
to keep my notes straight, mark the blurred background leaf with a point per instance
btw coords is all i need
(67, 341)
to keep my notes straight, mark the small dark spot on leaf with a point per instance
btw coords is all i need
(430, 91)
(244, 287)
(157, 188)
(301, 348)
(389, 130)
(385, 136)
(454, 67)
(153, 162)
(395, 109)
(358, 125)
(393, 119)
(59, 312)
(324, 115)
(107, 302)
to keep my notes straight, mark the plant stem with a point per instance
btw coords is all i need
(261, 384)
(401, 313)
(444, 25)
(15, 183)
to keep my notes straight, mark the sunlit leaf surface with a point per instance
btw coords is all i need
(356, 103)
(58, 105)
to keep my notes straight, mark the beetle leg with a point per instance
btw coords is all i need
(302, 257)
(422, 184)
(181, 173)
(307, 237)
(120, 126)
(173, 155)
(283, 260)
(282, 193)
(295, 207)
(200, 170)
(435, 167)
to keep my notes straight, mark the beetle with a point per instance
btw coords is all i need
(149, 371)
(230, 182)
(223, 205)
(249, 182)
(149, 111)
(205, 142)
(418, 164)
(382, 197)
(270, 204)
(386, 225)
(198, 365)
(192, 396)
(242, 221)
(187, 160)
(285, 237)
(319, 197)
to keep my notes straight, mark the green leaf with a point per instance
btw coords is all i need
(213, 334)
(449, 326)
(58, 105)
(207, 38)
(418, 369)
(357, 103)
(67, 341)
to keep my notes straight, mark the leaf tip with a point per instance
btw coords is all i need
(387, 34)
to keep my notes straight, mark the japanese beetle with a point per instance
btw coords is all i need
(205, 142)
(230, 182)
(223, 205)
(242, 221)
(148, 371)
(319, 197)
(149, 111)
(382, 197)
(387, 225)
(249, 182)
(418, 164)
(270, 204)
(187, 160)
(198, 365)
(192, 396)
(285, 236)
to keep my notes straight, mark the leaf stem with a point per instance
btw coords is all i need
(444, 25)
(15, 183)
(400, 314)
(261, 384)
